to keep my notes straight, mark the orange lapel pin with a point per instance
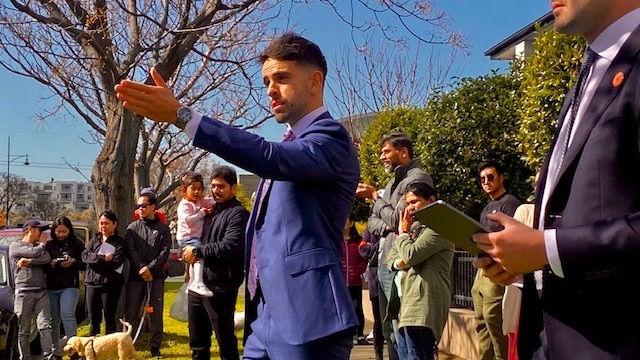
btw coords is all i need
(618, 78)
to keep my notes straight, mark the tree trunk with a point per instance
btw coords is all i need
(112, 173)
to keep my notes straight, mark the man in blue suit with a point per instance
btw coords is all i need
(293, 237)
(586, 236)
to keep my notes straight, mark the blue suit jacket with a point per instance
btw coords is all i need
(298, 243)
(595, 209)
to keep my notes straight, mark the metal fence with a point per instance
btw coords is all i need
(462, 274)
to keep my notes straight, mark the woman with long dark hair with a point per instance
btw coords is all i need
(105, 258)
(63, 279)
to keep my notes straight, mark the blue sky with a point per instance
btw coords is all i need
(483, 23)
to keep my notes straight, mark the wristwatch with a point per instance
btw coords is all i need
(183, 115)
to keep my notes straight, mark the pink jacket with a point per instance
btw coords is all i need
(190, 219)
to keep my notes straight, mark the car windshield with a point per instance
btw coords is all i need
(9, 238)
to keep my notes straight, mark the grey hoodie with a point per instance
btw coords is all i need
(32, 276)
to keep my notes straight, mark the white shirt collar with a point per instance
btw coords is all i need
(609, 42)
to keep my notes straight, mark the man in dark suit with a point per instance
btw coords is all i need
(293, 236)
(586, 231)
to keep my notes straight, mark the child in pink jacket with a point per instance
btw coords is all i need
(191, 212)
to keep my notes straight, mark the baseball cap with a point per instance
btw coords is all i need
(34, 223)
(150, 193)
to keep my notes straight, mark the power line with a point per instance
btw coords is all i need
(46, 165)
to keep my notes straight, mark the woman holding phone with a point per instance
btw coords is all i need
(63, 279)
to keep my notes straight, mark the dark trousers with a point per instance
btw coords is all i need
(208, 315)
(99, 299)
(387, 327)
(135, 307)
(378, 338)
(356, 298)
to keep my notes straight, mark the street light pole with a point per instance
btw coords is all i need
(9, 160)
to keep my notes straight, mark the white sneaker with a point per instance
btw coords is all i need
(200, 288)
(370, 336)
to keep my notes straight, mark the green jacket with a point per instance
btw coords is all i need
(426, 285)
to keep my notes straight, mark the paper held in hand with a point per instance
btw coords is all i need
(106, 249)
(451, 223)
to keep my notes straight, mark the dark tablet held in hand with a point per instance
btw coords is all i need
(452, 224)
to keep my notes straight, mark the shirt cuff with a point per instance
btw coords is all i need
(192, 125)
(551, 247)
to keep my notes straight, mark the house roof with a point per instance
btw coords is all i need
(505, 49)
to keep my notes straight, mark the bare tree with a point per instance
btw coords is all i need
(79, 49)
(17, 194)
(44, 208)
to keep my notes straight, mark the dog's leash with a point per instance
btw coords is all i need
(144, 312)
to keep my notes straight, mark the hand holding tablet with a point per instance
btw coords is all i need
(452, 224)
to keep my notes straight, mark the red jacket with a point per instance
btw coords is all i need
(353, 265)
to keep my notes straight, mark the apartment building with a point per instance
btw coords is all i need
(73, 195)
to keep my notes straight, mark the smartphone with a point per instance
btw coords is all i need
(452, 224)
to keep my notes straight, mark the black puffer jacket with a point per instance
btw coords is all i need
(59, 277)
(100, 272)
(149, 243)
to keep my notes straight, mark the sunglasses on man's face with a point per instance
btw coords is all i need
(142, 206)
(488, 178)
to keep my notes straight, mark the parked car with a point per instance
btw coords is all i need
(175, 265)
(8, 320)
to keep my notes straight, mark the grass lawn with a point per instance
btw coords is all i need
(175, 343)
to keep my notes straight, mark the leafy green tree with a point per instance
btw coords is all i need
(409, 120)
(545, 78)
(474, 123)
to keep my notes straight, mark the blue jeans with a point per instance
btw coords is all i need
(63, 309)
(190, 241)
(416, 343)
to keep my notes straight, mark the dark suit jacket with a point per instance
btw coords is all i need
(299, 240)
(595, 207)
